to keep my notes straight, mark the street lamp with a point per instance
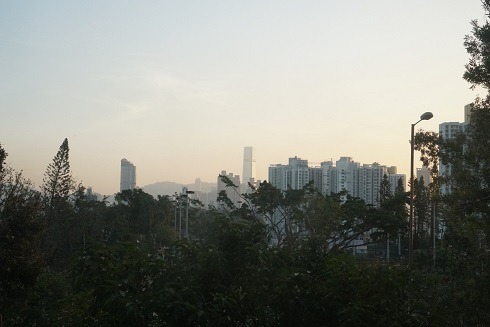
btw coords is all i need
(425, 116)
(187, 213)
(184, 195)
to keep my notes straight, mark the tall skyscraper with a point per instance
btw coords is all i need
(248, 165)
(128, 175)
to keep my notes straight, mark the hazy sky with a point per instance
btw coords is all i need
(180, 87)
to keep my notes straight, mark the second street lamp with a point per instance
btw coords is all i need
(425, 116)
(187, 213)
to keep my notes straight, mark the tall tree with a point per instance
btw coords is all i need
(58, 182)
(384, 190)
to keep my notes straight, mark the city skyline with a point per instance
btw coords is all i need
(181, 88)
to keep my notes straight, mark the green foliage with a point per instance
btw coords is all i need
(384, 190)
(478, 67)
(429, 145)
(138, 216)
(21, 227)
(3, 156)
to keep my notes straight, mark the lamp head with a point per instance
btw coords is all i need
(426, 116)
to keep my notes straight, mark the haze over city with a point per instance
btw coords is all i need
(179, 88)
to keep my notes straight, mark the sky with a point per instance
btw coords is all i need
(179, 88)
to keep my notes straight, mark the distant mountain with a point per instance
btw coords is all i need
(169, 188)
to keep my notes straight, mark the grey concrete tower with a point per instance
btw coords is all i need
(248, 165)
(128, 175)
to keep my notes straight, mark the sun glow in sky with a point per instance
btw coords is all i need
(180, 87)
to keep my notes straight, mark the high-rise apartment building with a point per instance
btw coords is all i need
(367, 182)
(128, 175)
(278, 176)
(327, 177)
(294, 175)
(298, 173)
(344, 179)
(315, 176)
(448, 131)
(232, 192)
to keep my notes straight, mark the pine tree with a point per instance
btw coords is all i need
(57, 187)
(384, 190)
(58, 182)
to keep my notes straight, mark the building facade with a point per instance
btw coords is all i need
(128, 175)
(249, 172)
(448, 131)
(367, 183)
(233, 193)
(298, 173)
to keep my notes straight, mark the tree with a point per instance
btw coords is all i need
(465, 210)
(138, 216)
(422, 212)
(88, 217)
(394, 212)
(340, 220)
(20, 230)
(58, 184)
(478, 67)
(428, 143)
(384, 190)
(3, 156)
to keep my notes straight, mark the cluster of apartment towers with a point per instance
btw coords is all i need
(362, 181)
(359, 180)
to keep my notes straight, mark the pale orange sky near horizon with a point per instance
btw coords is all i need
(179, 88)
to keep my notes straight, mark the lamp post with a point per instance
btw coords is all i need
(184, 195)
(187, 213)
(425, 116)
(175, 211)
